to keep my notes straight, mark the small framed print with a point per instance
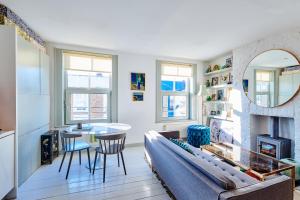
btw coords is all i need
(138, 96)
(214, 81)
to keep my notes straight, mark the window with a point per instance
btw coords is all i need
(264, 87)
(88, 87)
(175, 86)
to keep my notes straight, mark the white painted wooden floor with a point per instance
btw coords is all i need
(140, 183)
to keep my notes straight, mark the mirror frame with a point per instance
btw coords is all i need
(290, 99)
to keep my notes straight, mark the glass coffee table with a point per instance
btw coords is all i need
(254, 163)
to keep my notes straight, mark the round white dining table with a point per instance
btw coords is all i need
(99, 129)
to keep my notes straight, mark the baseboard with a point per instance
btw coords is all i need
(134, 145)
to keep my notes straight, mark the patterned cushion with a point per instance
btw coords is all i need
(182, 145)
(198, 135)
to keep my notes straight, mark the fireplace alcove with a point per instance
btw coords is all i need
(273, 126)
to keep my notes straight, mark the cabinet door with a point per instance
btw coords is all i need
(7, 160)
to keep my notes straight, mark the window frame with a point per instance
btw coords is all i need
(189, 94)
(111, 91)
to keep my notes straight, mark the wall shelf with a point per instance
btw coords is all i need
(220, 117)
(220, 86)
(218, 71)
(224, 102)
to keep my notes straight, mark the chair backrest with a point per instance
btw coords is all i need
(111, 144)
(68, 140)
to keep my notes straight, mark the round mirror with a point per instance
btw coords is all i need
(272, 78)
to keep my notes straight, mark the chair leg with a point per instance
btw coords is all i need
(70, 161)
(88, 153)
(123, 163)
(62, 161)
(79, 157)
(104, 168)
(118, 160)
(96, 153)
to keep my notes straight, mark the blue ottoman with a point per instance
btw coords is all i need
(198, 135)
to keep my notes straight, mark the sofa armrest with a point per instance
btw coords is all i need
(170, 134)
(278, 188)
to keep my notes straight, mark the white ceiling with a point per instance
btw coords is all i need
(196, 29)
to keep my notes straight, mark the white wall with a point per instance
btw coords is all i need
(140, 115)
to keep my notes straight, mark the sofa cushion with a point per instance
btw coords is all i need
(182, 145)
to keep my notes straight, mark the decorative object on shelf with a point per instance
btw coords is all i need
(198, 135)
(213, 112)
(214, 81)
(207, 83)
(209, 69)
(230, 78)
(213, 97)
(8, 17)
(49, 146)
(209, 98)
(220, 95)
(228, 62)
(224, 79)
(216, 68)
(137, 81)
(138, 96)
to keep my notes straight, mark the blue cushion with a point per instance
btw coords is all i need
(182, 145)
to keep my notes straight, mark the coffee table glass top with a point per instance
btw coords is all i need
(248, 160)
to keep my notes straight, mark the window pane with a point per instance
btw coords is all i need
(262, 100)
(174, 106)
(80, 63)
(78, 79)
(262, 86)
(79, 107)
(100, 80)
(169, 70)
(98, 103)
(102, 65)
(174, 83)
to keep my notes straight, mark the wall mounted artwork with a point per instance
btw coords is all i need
(137, 81)
(138, 96)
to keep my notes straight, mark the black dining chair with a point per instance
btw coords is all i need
(70, 145)
(110, 145)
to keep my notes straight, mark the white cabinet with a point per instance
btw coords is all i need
(7, 163)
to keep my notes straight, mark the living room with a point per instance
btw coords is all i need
(149, 99)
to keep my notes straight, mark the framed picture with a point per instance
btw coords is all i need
(245, 85)
(220, 95)
(137, 81)
(224, 79)
(214, 81)
(229, 62)
(138, 96)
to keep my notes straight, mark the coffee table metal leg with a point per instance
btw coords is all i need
(293, 175)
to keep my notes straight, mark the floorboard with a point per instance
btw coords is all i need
(139, 183)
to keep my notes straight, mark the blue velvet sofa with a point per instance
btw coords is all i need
(203, 177)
